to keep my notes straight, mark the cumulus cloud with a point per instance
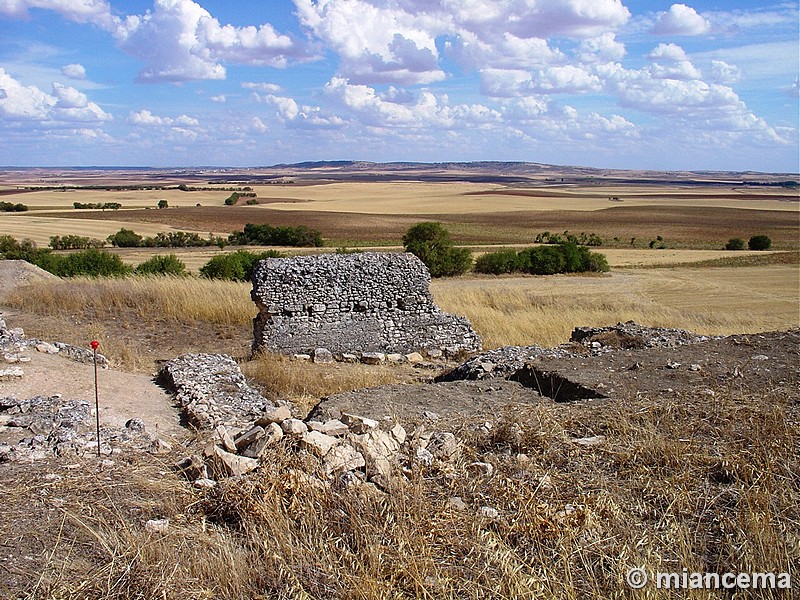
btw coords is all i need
(147, 118)
(257, 126)
(219, 99)
(680, 20)
(553, 80)
(722, 72)
(80, 11)
(295, 115)
(63, 105)
(427, 110)
(74, 71)
(601, 49)
(671, 62)
(381, 42)
(689, 103)
(271, 88)
(375, 42)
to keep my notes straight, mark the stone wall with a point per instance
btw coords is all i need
(364, 302)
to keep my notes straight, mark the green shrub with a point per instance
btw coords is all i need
(162, 265)
(565, 257)
(92, 263)
(163, 204)
(735, 244)
(10, 207)
(74, 242)
(759, 242)
(125, 238)
(265, 235)
(11, 249)
(431, 243)
(235, 266)
(496, 263)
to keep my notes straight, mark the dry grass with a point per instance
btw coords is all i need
(544, 310)
(680, 482)
(41, 228)
(304, 383)
(180, 299)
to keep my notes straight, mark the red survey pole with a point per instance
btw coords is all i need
(94, 346)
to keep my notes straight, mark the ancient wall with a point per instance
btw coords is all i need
(364, 302)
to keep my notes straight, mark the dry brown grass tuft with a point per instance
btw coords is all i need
(709, 485)
(180, 299)
(305, 383)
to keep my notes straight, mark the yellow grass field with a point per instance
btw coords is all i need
(58, 200)
(544, 310)
(399, 198)
(40, 229)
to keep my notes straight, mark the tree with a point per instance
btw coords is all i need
(735, 244)
(759, 242)
(236, 266)
(163, 204)
(431, 243)
(125, 238)
(162, 265)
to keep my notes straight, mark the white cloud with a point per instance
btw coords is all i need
(147, 118)
(604, 48)
(80, 11)
(29, 103)
(295, 115)
(382, 42)
(180, 41)
(271, 88)
(553, 80)
(74, 71)
(257, 126)
(689, 104)
(376, 43)
(722, 72)
(671, 62)
(680, 20)
(427, 110)
(669, 53)
(219, 99)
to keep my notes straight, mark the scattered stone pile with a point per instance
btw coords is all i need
(507, 361)
(500, 362)
(212, 390)
(633, 335)
(14, 345)
(350, 450)
(365, 302)
(52, 426)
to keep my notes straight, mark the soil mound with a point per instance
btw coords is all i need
(16, 273)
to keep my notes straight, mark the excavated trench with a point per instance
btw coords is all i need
(554, 385)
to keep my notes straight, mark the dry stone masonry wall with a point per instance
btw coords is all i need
(365, 302)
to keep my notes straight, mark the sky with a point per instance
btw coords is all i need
(634, 84)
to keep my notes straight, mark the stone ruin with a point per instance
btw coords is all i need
(364, 302)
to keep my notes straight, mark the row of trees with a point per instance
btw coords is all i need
(251, 235)
(11, 207)
(431, 242)
(96, 205)
(756, 242)
(543, 260)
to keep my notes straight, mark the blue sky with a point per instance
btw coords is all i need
(707, 85)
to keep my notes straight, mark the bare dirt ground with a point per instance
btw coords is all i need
(744, 364)
(122, 395)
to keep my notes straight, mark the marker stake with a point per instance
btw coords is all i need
(94, 346)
